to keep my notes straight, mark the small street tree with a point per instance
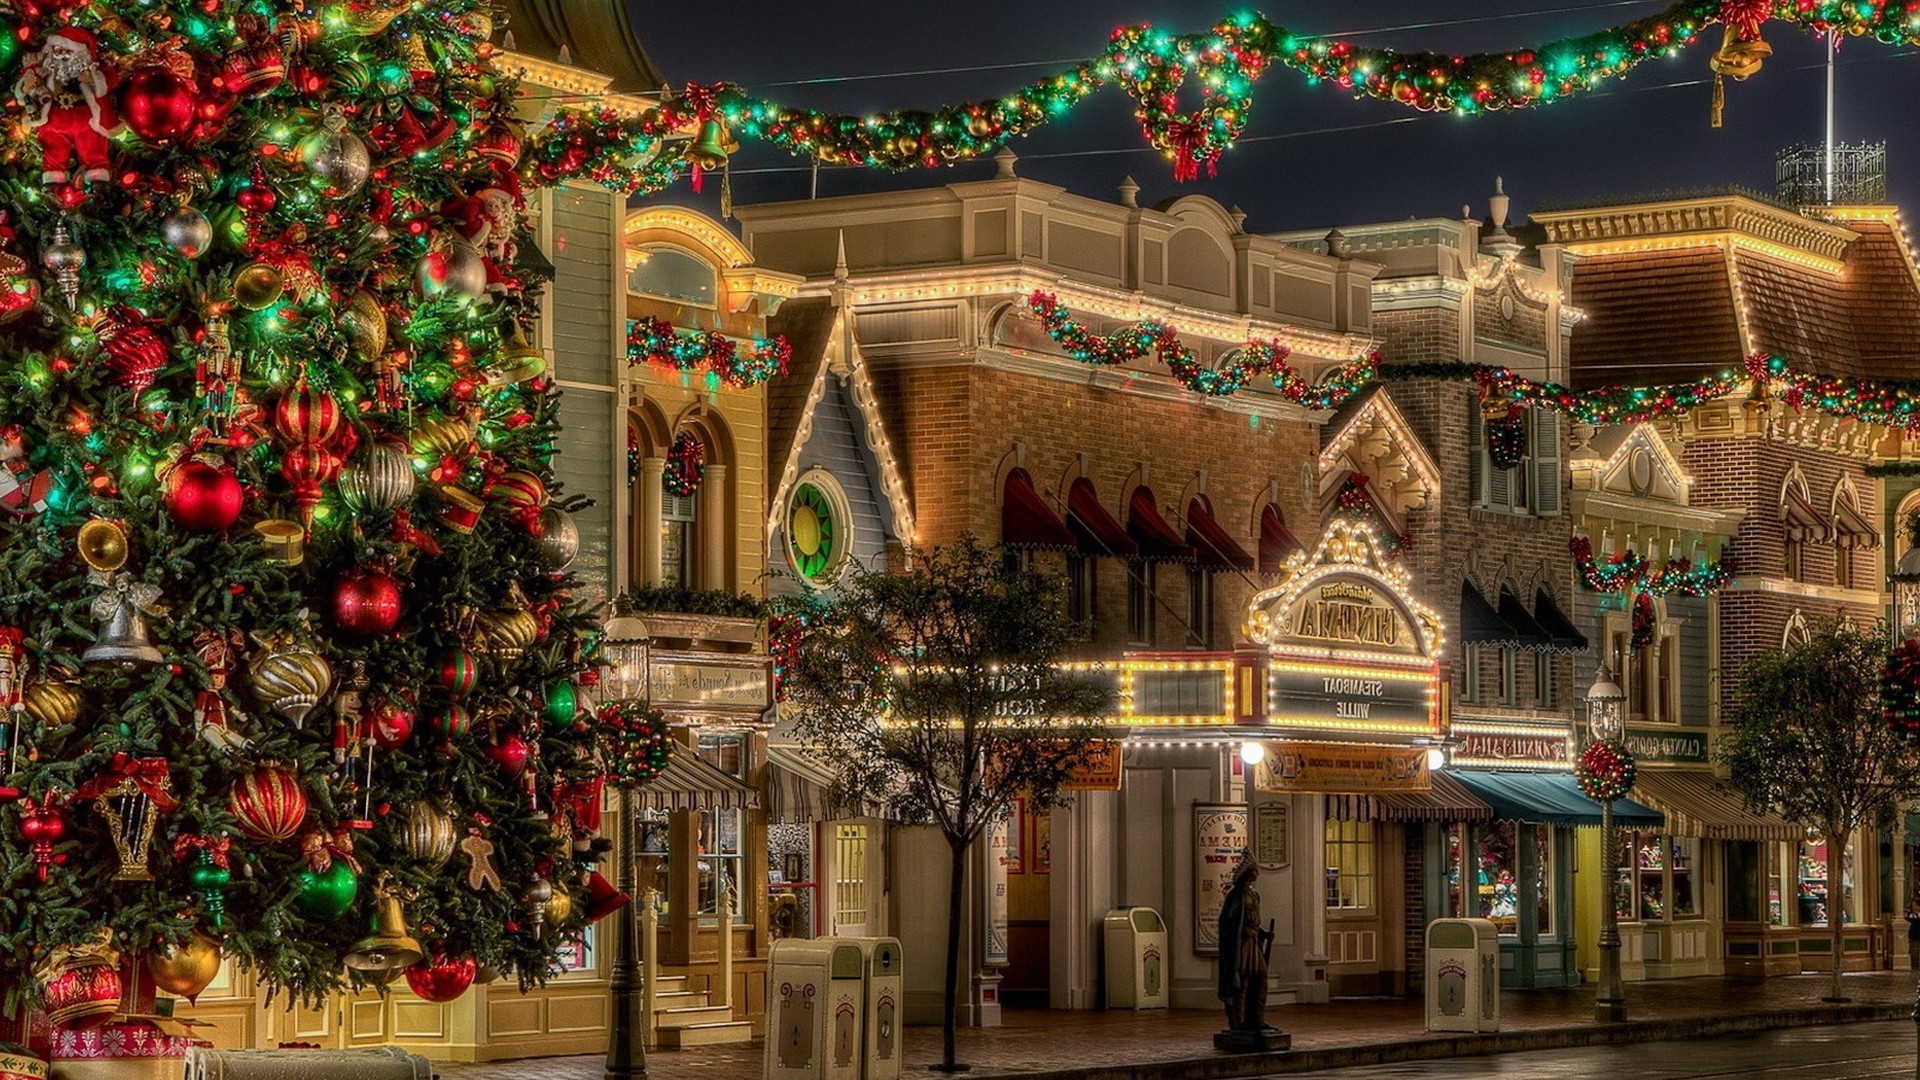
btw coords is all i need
(1808, 740)
(938, 696)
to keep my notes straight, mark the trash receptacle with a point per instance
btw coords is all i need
(1136, 947)
(1463, 975)
(814, 991)
(885, 986)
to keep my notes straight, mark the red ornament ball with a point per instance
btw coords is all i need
(510, 754)
(451, 720)
(204, 498)
(457, 672)
(158, 105)
(367, 603)
(441, 979)
(391, 723)
(268, 803)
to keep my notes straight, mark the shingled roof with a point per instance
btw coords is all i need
(597, 34)
(1676, 290)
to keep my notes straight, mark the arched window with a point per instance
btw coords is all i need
(681, 502)
(672, 274)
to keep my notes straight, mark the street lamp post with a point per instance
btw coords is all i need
(624, 647)
(1904, 584)
(1605, 701)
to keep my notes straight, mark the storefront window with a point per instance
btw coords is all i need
(1743, 882)
(1656, 877)
(1543, 879)
(1816, 897)
(1350, 865)
(1779, 858)
(676, 540)
(1497, 875)
(1456, 840)
(719, 844)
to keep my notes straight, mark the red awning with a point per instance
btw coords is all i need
(1156, 538)
(1216, 549)
(1099, 533)
(1025, 519)
(1276, 542)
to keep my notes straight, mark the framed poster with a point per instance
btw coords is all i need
(1040, 842)
(1270, 835)
(994, 948)
(1016, 826)
(1219, 839)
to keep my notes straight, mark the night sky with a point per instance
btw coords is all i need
(1311, 156)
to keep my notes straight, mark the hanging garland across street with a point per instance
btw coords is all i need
(697, 129)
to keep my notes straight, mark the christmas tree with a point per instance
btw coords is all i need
(287, 652)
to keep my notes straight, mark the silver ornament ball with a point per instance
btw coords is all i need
(559, 539)
(188, 232)
(337, 159)
(452, 269)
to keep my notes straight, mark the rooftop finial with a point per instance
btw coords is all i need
(1005, 158)
(1337, 244)
(1129, 193)
(840, 258)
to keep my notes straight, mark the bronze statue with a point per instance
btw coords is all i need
(1245, 948)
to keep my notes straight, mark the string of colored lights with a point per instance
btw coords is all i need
(1630, 571)
(638, 155)
(656, 341)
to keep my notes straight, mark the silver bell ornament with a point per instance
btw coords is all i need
(451, 268)
(384, 481)
(558, 539)
(188, 232)
(335, 156)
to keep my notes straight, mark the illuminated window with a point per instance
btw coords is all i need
(1140, 602)
(1349, 865)
(677, 540)
(818, 529)
(672, 274)
(1199, 607)
(1082, 591)
(721, 843)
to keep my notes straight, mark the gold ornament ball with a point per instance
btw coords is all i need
(508, 633)
(257, 286)
(441, 436)
(54, 704)
(559, 907)
(366, 325)
(103, 545)
(188, 968)
(290, 678)
(428, 835)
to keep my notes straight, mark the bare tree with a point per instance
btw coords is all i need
(939, 697)
(1809, 740)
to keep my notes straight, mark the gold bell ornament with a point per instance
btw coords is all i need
(1741, 52)
(518, 359)
(389, 950)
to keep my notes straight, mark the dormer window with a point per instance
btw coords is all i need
(668, 273)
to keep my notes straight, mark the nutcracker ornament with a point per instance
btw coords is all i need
(68, 99)
(218, 651)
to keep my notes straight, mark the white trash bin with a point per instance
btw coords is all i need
(885, 987)
(1463, 975)
(1136, 948)
(814, 996)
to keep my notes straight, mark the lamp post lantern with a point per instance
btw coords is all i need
(1605, 704)
(624, 647)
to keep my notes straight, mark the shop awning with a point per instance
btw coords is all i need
(1479, 623)
(1566, 636)
(1527, 634)
(1217, 550)
(1697, 805)
(690, 783)
(1097, 531)
(1276, 542)
(1851, 529)
(1447, 801)
(799, 789)
(1803, 521)
(1547, 798)
(1026, 521)
(1156, 538)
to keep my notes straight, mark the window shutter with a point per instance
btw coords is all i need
(1476, 456)
(1546, 463)
(1499, 484)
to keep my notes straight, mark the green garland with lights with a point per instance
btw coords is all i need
(656, 341)
(645, 153)
(1630, 571)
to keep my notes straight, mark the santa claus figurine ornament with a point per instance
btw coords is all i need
(67, 95)
(486, 220)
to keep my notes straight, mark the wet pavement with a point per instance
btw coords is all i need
(1843, 1052)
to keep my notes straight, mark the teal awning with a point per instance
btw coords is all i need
(1549, 798)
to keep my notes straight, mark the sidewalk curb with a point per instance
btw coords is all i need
(1229, 1066)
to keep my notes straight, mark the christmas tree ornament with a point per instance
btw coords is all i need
(334, 156)
(65, 259)
(457, 672)
(450, 721)
(103, 544)
(520, 494)
(486, 222)
(518, 360)
(1605, 771)
(158, 104)
(54, 703)
(634, 742)
(216, 380)
(441, 979)
(561, 702)
(559, 906)
(481, 875)
(218, 651)
(451, 269)
(556, 539)
(510, 753)
(257, 286)
(534, 900)
(135, 354)
(256, 67)
(186, 968)
(188, 232)
(505, 635)
(268, 803)
(19, 289)
(459, 510)
(331, 882)
(383, 480)
(65, 89)
(204, 496)
(442, 436)
(428, 835)
(81, 985)
(308, 470)
(390, 948)
(602, 898)
(283, 541)
(209, 871)
(366, 325)
(1900, 690)
(367, 603)
(121, 608)
(129, 796)
(289, 677)
(390, 721)
(369, 17)
(43, 825)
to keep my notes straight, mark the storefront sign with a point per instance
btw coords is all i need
(1350, 611)
(1099, 772)
(685, 682)
(1219, 840)
(1013, 705)
(1650, 745)
(1349, 696)
(1270, 835)
(1338, 769)
(1156, 692)
(1512, 747)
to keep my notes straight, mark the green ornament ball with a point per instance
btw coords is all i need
(209, 877)
(9, 44)
(327, 895)
(563, 702)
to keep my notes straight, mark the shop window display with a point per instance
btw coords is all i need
(1349, 865)
(1655, 878)
(1814, 893)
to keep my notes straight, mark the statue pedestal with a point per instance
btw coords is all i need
(1252, 1042)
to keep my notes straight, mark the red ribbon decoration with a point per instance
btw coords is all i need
(147, 774)
(1745, 17)
(321, 848)
(187, 845)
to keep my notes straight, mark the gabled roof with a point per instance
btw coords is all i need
(598, 34)
(821, 336)
(1373, 437)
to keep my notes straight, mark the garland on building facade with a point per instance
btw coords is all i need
(656, 341)
(696, 129)
(1629, 571)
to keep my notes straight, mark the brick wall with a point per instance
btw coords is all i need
(1414, 881)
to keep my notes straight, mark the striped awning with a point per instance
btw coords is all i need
(1696, 804)
(689, 782)
(799, 789)
(1447, 801)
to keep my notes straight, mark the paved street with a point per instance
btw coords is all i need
(1840, 1053)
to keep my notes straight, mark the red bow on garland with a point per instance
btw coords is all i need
(147, 774)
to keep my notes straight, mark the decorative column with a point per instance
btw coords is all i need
(715, 522)
(647, 531)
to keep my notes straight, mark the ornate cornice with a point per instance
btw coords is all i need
(1723, 220)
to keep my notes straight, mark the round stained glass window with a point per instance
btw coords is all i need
(816, 528)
